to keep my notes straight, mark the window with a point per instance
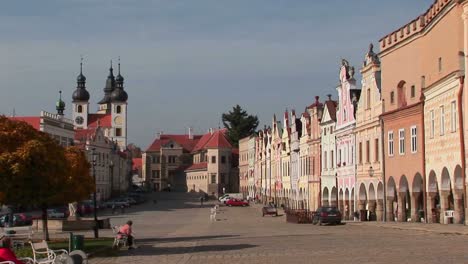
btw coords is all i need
(331, 130)
(414, 139)
(223, 159)
(368, 98)
(413, 91)
(213, 177)
(392, 97)
(338, 159)
(325, 165)
(213, 159)
(367, 151)
(442, 120)
(118, 109)
(172, 159)
(401, 138)
(453, 116)
(390, 143)
(352, 155)
(344, 114)
(432, 123)
(440, 64)
(156, 174)
(332, 159)
(376, 154)
(360, 152)
(80, 109)
(118, 132)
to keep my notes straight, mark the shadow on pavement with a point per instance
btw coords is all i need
(146, 250)
(180, 239)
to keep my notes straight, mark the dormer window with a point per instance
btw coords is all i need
(392, 97)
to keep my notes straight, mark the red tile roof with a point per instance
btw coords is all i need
(84, 134)
(202, 142)
(218, 140)
(183, 140)
(105, 120)
(34, 121)
(198, 166)
(137, 163)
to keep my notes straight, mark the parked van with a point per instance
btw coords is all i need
(235, 195)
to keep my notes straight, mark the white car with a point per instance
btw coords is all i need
(224, 199)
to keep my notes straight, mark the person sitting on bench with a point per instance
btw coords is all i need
(6, 254)
(126, 230)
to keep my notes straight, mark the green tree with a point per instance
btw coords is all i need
(239, 124)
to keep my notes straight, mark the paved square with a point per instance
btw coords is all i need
(177, 230)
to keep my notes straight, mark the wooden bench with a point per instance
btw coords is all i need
(19, 235)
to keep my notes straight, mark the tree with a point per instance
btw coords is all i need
(79, 183)
(239, 124)
(34, 169)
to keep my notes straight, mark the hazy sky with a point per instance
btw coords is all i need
(187, 62)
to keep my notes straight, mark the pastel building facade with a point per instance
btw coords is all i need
(328, 177)
(348, 96)
(369, 169)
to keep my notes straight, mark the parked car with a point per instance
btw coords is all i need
(269, 210)
(20, 219)
(330, 215)
(237, 202)
(54, 213)
(225, 199)
(139, 198)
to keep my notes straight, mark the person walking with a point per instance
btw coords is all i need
(126, 230)
(201, 201)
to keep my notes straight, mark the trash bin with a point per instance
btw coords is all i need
(77, 242)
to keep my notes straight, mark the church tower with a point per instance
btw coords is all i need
(118, 99)
(105, 103)
(80, 101)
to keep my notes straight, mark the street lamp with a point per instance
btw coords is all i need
(93, 163)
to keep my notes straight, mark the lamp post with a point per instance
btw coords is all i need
(93, 163)
(111, 172)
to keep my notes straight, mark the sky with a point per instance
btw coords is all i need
(186, 62)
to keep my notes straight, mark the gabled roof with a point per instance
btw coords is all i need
(218, 140)
(102, 120)
(202, 142)
(183, 140)
(34, 121)
(331, 106)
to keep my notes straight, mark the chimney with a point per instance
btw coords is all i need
(158, 135)
(211, 131)
(190, 134)
(329, 97)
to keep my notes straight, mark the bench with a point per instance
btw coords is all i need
(448, 214)
(19, 235)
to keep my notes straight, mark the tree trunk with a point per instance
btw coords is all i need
(45, 227)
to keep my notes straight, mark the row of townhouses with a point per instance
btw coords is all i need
(194, 163)
(103, 134)
(390, 148)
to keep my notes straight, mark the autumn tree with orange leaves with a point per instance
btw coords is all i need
(35, 170)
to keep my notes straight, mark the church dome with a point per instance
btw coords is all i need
(80, 94)
(119, 95)
(81, 78)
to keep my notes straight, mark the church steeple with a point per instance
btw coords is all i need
(60, 105)
(118, 94)
(80, 94)
(110, 86)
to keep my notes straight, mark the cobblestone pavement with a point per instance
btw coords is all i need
(177, 230)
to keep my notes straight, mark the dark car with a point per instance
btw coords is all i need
(329, 215)
(20, 219)
(269, 210)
